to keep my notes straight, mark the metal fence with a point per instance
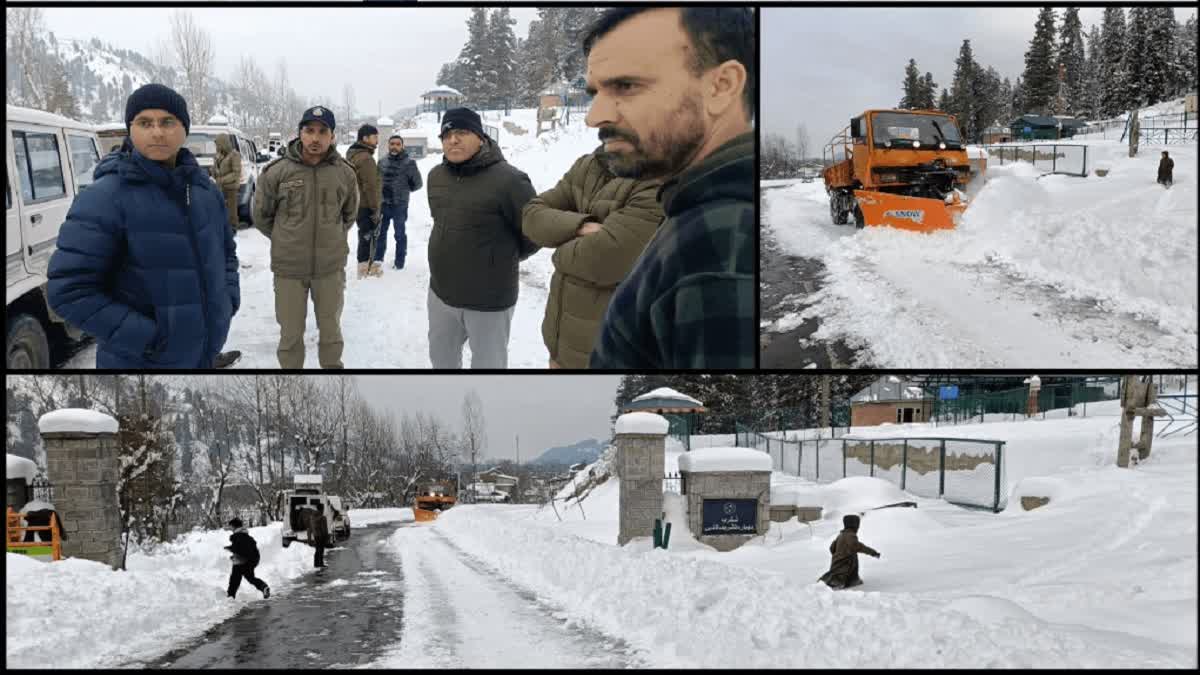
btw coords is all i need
(1012, 403)
(1069, 159)
(963, 471)
(1158, 130)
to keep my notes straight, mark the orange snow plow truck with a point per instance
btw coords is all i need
(902, 168)
(431, 499)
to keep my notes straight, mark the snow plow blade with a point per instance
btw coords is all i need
(918, 214)
(423, 516)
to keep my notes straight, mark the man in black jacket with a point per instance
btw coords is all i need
(244, 554)
(476, 199)
(400, 178)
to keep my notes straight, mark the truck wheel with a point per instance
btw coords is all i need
(28, 347)
(836, 211)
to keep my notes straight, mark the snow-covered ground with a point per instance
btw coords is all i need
(384, 321)
(77, 613)
(1104, 575)
(1043, 271)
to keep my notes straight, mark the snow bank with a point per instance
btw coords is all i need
(667, 392)
(77, 419)
(90, 616)
(706, 460)
(19, 467)
(642, 423)
(365, 517)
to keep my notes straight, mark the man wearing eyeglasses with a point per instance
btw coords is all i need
(146, 262)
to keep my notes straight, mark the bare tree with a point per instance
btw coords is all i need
(802, 142)
(473, 429)
(23, 30)
(194, 52)
(348, 101)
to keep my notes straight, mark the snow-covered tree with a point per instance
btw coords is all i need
(1041, 75)
(1071, 62)
(912, 86)
(929, 88)
(965, 90)
(502, 45)
(1112, 62)
(1091, 103)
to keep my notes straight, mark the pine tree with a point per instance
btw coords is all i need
(1137, 58)
(59, 100)
(1005, 103)
(1018, 98)
(1041, 77)
(912, 86)
(477, 85)
(1092, 101)
(1071, 61)
(1160, 54)
(502, 56)
(944, 101)
(1112, 62)
(965, 92)
(928, 92)
(1185, 56)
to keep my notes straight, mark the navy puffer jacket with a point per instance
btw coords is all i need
(146, 264)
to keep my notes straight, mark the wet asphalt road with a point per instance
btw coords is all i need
(342, 616)
(785, 283)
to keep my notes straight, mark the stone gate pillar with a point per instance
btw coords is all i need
(386, 126)
(641, 452)
(82, 464)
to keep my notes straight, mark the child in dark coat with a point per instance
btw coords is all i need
(244, 554)
(843, 570)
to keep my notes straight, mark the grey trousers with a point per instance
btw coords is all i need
(451, 327)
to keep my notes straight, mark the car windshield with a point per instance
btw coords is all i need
(900, 130)
(202, 145)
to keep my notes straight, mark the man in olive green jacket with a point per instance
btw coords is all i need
(361, 156)
(599, 224)
(227, 169)
(305, 202)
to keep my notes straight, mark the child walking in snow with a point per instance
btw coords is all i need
(843, 570)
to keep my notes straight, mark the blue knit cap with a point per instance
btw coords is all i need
(162, 97)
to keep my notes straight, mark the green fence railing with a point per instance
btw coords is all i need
(1012, 403)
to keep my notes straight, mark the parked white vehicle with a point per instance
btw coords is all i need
(202, 142)
(111, 136)
(341, 519)
(306, 491)
(48, 160)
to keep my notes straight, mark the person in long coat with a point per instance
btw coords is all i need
(843, 569)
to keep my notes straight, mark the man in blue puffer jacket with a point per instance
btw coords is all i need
(146, 262)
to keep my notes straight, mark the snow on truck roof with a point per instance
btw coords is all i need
(706, 460)
(77, 419)
(14, 113)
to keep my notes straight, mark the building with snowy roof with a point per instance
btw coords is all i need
(440, 98)
(680, 410)
(890, 399)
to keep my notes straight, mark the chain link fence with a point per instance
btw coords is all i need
(1070, 159)
(1011, 404)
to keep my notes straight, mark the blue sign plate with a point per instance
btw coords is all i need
(730, 516)
(948, 392)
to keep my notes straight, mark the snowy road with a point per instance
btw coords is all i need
(1044, 271)
(461, 614)
(340, 616)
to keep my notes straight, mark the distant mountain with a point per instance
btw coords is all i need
(583, 451)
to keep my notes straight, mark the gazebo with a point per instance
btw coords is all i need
(679, 409)
(439, 99)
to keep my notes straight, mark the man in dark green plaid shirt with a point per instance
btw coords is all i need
(673, 92)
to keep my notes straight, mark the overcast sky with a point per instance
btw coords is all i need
(390, 55)
(823, 65)
(546, 410)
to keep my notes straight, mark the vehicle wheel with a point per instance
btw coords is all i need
(836, 210)
(28, 347)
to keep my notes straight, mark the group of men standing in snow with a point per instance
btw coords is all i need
(653, 232)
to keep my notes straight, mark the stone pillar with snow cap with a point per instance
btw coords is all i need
(641, 454)
(82, 463)
(728, 495)
(386, 126)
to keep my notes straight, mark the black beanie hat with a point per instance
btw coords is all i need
(366, 130)
(850, 522)
(236, 522)
(159, 96)
(462, 118)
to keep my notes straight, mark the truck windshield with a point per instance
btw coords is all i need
(900, 130)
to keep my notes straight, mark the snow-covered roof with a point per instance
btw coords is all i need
(307, 479)
(385, 122)
(642, 423)
(109, 126)
(705, 460)
(889, 388)
(443, 89)
(77, 419)
(218, 120)
(667, 392)
(14, 113)
(19, 467)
